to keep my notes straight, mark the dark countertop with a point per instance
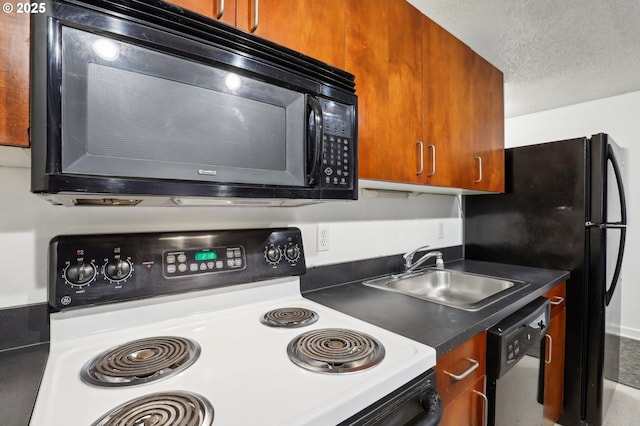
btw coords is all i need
(21, 371)
(24, 349)
(438, 326)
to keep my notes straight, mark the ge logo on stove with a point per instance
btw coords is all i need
(66, 300)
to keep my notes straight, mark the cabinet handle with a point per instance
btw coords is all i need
(550, 349)
(480, 169)
(421, 146)
(474, 365)
(485, 406)
(256, 15)
(556, 300)
(220, 9)
(432, 148)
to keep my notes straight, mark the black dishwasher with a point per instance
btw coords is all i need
(515, 366)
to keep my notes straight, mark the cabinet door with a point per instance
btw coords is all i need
(554, 366)
(315, 28)
(466, 360)
(468, 408)
(384, 53)
(14, 79)
(446, 108)
(486, 126)
(223, 10)
(463, 114)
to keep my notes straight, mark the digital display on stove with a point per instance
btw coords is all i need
(206, 255)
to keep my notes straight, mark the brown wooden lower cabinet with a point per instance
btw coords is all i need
(468, 408)
(554, 357)
(461, 382)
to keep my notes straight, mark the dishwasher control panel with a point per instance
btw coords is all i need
(510, 339)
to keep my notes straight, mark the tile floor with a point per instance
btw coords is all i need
(625, 405)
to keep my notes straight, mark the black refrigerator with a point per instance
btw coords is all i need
(564, 208)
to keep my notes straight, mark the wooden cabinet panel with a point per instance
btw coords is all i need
(446, 107)
(467, 409)
(464, 400)
(222, 10)
(554, 368)
(14, 79)
(315, 28)
(457, 362)
(384, 53)
(486, 129)
(463, 114)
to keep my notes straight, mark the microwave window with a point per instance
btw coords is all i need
(173, 121)
(133, 111)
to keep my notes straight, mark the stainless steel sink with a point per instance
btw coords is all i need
(461, 290)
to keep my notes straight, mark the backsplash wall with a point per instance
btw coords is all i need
(367, 228)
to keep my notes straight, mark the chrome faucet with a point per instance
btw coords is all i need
(410, 265)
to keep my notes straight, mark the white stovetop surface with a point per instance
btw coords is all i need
(243, 369)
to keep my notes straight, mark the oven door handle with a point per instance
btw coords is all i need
(432, 406)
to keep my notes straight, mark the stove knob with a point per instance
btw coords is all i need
(117, 270)
(292, 253)
(80, 274)
(273, 255)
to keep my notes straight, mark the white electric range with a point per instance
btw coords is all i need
(210, 328)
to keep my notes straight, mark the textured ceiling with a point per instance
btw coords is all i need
(552, 52)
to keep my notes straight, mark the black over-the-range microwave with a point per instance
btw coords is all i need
(143, 102)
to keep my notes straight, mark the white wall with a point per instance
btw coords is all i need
(618, 116)
(367, 228)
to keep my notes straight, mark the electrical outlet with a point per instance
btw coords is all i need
(322, 240)
(440, 230)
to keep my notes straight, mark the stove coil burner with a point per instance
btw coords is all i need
(161, 409)
(335, 350)
(289, 317)
(141, 361)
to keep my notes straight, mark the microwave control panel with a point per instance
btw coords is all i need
(338, 145)
(98, 269)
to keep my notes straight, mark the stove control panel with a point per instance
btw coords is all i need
(96, 269)
(203, 261)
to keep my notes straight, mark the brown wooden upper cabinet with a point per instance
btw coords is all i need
(384, 53)
(222, 10)
(463, 114)
(431, 110)
(315, 28)
(14, 79)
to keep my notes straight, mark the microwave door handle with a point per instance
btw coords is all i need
(317, 133)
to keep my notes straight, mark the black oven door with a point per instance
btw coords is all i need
(415, 404)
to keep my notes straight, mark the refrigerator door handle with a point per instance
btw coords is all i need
(614, 225)
(609, 225)
(618, 225)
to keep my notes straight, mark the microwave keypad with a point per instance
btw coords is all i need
(336, 163)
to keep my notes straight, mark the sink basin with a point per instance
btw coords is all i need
(461, 290)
